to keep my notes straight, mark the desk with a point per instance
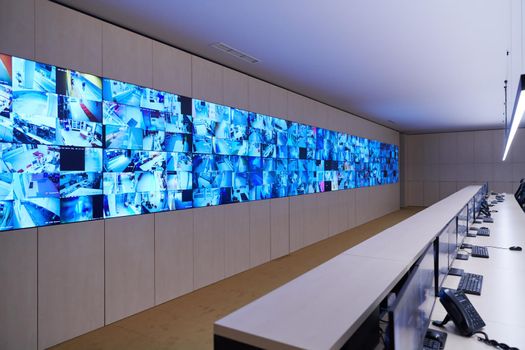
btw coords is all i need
(502, 300)
(322, 308)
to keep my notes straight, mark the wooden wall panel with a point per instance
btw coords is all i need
(130, 267)
(70, 281)
(173, 254)
(18, 294)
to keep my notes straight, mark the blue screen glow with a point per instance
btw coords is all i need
(77, 147)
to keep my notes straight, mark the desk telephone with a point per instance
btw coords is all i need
(461, 311)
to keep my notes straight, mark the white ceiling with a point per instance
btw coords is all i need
(433, 65)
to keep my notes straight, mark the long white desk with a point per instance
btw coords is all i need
(502, 300)
(322, 308)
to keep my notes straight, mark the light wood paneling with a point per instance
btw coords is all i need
(237, 238)
(296, 108)
(18, 294)
(415, 193)
(297, 216)
(279, 227)
(278, 102)
(448, 144)
(483, 147)
(173, 254)
(323, 215)
(68, 38)
(171, 69)
(260, 245)
(446, 188)
(465, 147)
(129, 266)
(235, 89)
(362, 205)
(209, 245)
(126, 56)
(259, 96)
(350, 204)
(206, 80)
(430, 192)
(17, 25)
(70, 281)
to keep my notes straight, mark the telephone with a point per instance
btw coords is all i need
(461, 311)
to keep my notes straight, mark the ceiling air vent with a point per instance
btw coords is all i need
(234, 52)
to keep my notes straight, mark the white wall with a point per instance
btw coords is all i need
(436, 165)
(91, 274)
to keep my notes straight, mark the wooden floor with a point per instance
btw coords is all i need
(187, 322)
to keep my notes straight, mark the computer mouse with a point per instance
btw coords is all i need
(516, 248)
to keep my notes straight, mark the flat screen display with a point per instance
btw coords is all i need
(462, 227)
(410, 316)
(453, 246)
(76, 147)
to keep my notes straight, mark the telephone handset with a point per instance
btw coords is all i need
(461, 311)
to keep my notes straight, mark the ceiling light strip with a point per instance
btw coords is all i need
(517, 116)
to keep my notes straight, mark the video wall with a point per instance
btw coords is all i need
(77, 147)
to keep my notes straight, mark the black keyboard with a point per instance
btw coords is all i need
(484, 231)
(455, 272)
(471, 283)
(479, 252)
(466, 246)
(434, 340)
(460, 256)
(431, 344)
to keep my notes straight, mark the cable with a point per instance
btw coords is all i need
(492, 246)
(485, 339)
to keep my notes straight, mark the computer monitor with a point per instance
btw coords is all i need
(470, 213)
(452, 233)
(478, 198)
(446, 251)
(410, 315)
(462, 227)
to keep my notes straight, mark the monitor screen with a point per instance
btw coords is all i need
(471, 205)
(462, 225)
(444, 239)
(410, 315)
(76, 147)
(453, 247)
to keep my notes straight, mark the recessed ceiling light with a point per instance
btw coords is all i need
(234, 52)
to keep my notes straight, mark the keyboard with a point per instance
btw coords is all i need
(431, 344)
(460, 256)
(473, 228)
(471, 283)
(479, 252)
(488, 219)
(455, 272)
(484, 231)
(466, 246)
(434, 340)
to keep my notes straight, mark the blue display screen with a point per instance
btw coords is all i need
(77, 147)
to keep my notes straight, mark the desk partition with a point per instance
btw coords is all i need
(324, 307)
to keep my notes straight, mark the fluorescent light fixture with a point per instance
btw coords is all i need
(519, 110)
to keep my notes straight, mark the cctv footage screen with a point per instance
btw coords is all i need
(77, 147)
